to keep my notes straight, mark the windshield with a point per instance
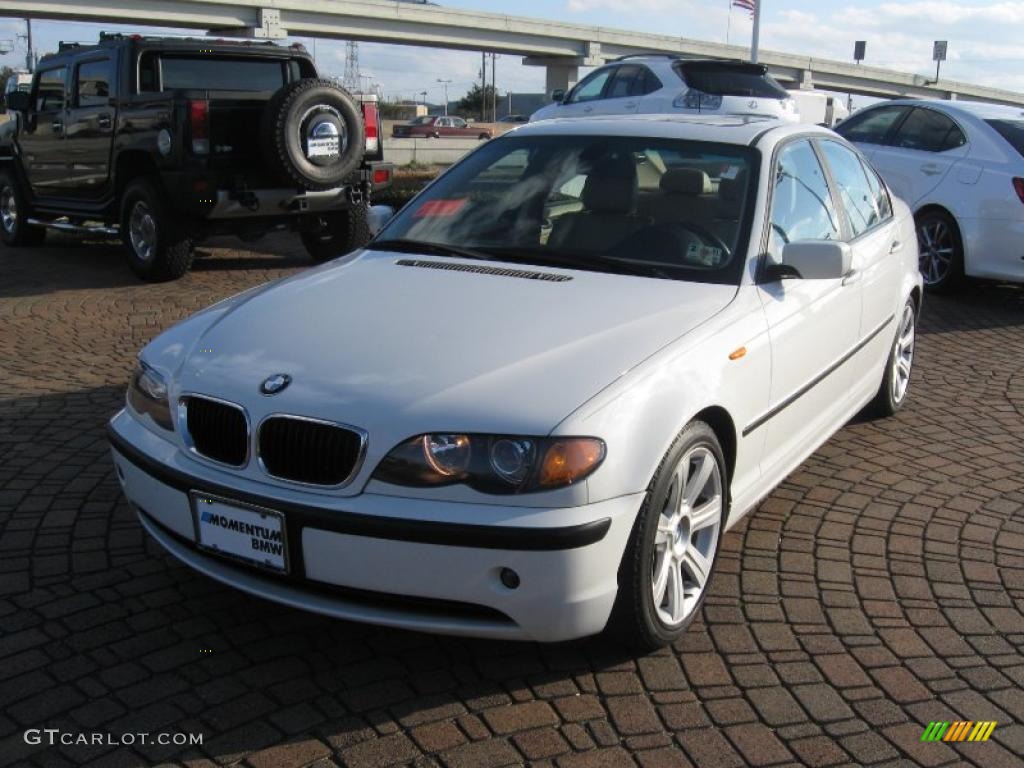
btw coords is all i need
(655, 207)
(1012, 131)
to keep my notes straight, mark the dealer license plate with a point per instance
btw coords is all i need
(249, 533)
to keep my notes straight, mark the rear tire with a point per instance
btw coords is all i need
(672, 551)
(154, 239)
(892, 394)
(13, 213)
(941, 251)
(342, 232)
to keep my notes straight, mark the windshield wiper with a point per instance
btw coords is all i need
(403, 245)
(584, 261)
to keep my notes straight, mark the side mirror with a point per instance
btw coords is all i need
(379, 215)
(558, 95)
(18, 101)
(814, 260)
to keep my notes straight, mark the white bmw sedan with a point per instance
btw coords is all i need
(533, 404)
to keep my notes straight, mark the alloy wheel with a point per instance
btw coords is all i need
(687, 536)
(142, 230)
(8, 210)
(937, 249)
(903, 355)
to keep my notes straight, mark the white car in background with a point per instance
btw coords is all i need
(667, 84)
(532, 405)
(960, 167)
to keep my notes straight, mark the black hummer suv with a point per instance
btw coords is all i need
(166, 141)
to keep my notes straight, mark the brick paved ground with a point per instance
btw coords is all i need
(881, 587)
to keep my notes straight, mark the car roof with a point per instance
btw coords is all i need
(724, 129)
(977, 109)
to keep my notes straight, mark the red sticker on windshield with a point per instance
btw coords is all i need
(439, 208)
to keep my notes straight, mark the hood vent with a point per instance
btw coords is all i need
(484, 270)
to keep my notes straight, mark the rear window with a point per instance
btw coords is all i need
(730, 80)
(218, 73)
(1012, 131)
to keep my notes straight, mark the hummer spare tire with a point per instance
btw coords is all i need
(313, 134)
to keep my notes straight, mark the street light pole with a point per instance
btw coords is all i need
(445, 83)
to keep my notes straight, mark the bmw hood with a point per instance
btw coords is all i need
(399, 344)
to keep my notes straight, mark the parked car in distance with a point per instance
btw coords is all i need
(960, 167)
(437, 127)
(665, 84)
(166, 141)
(596, 346)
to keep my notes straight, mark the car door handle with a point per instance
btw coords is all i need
(57, 126)
(103, 121)
(931, 169)
(852, 277)
(896, 245)
(631, 105)
(588, 109)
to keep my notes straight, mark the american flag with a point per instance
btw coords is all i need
(749, 5)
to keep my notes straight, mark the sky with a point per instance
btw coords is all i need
(984, 38)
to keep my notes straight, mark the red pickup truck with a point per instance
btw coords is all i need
(436, 127)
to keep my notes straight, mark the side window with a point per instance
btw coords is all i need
(627, 81)
(443, 122)
(878, 190)
(650, 83)
(857, 197)
(871, 126)
(928, 131)
(149, 73)
(591, 87)
(92, 84)
(802, 206)
(50, 91)
(458, 122)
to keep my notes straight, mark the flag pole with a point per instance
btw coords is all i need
(755, 42)
(728, 24)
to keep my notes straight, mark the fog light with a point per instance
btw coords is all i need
(509, 578)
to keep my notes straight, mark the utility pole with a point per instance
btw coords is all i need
(494, 88)
(445, 83)
(483, 86)
(29, 57)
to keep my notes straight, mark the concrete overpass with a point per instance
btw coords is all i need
(560, 47)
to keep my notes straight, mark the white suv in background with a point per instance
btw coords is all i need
(960, 167)
(667, 84)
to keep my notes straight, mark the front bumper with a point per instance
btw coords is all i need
(405, 565)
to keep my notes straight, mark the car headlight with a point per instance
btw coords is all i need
(492, 463)
(147, 396)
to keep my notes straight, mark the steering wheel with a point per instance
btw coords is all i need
(673, 231)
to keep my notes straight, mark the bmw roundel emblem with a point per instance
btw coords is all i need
(752, 105)
(276, 383)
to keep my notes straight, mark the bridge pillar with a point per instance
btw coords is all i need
(560, 77)
(563, 72)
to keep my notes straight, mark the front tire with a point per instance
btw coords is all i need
(672, 550)
(941, 251)
(154, 239)
(340, 232)
(892, 394)
(13, 214)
